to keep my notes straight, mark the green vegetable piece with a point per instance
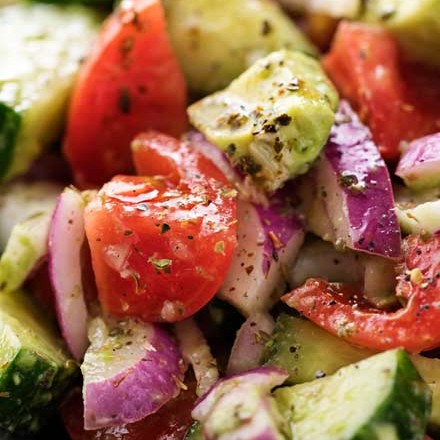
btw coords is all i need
(308, 352)
(273, 120)
(416, 24)
(381, 397)
(34, 367)
(217, 40)
(27, 246)
(195, 432)
(41, 49)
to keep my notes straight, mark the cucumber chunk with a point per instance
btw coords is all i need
(34, 367)
(41, 49)
(273, 120)
(380, 397)
(306, 351)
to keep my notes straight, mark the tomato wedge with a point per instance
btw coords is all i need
(162, 245)
(340, 309)
(130, 82)
(400, 102)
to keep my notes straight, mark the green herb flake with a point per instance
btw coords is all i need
(165, 228)
(219, 247)
(161, 264)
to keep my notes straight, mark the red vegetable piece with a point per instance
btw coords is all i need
(399, 102)
(130, 82)
(169, 423)
(341, 310)
(160, 248)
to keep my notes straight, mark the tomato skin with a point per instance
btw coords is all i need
(170, 423)
(161, 248)
(130, 82)
(400, 102)
(414, 327)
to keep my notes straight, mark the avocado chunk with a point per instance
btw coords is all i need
(273, 120)
(217, 40)
(380, 397)
(416, 24)
(41, 47)
(34, 367)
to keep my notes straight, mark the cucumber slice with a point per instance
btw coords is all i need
(306, 351)
(380, 397)
(26, 248)
(41, 49)
(34, 369)
(20, 201)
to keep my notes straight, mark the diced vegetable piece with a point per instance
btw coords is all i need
(35, 369)
(318, 258)
(419, 165)
(240, 407)
(217, 40)
(249, 343)
(355, 187)
(243, 184)
(42, 46)
(308, 352)
(195, 432)
(271, 143)
(20, 201)
(196, 351)
(268, 242)
(375, 275)
(341, 309)
(418, 212)
(130, 82)
(379, 397)
(65, 242)
(422, 219)
(161, 246)
(130, 370)
(170, 422)
(334, 8)
(26, 248)
(416, 24)
(399, 102)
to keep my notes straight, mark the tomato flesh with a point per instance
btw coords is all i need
(161, 247)
(414, 327)
(400, 102)
(130, 82)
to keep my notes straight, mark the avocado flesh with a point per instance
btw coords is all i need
(217, 40)
(273, 120)
(35, 368)
(415, 23)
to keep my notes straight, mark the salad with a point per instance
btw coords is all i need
(220, 220)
